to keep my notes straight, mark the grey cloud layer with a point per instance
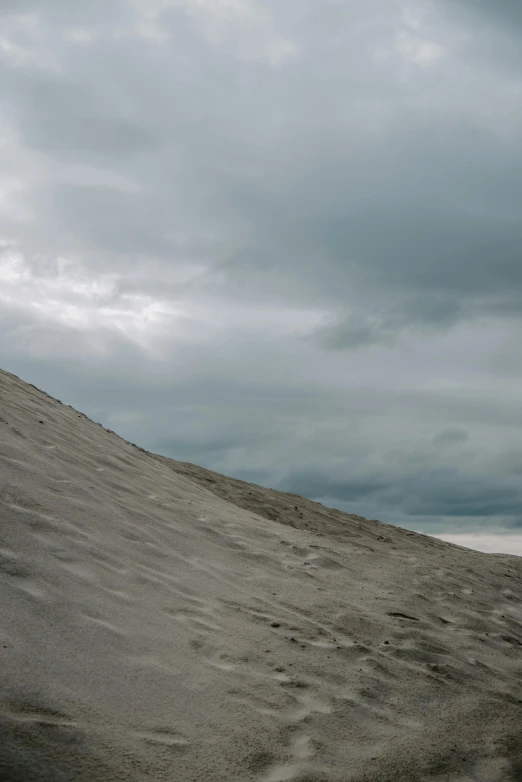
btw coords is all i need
(330, 195)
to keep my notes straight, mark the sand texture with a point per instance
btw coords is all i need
(162, 622)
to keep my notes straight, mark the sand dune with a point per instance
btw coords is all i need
(162, 622)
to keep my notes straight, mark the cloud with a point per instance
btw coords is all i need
(502, 542)
(507, 14)
(244, 28)
(450, 437)
(363, 327)
(414, 49)
(280, 240)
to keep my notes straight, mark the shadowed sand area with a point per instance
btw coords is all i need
(163, 622)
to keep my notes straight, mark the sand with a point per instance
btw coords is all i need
(163, 622)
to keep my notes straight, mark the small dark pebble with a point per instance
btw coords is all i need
(386, 642)
(40, 422)
(275, 624)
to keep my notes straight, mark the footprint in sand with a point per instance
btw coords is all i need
(302, 752)
(216, 659)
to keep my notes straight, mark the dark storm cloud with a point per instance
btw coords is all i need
(279, 240)
(505, 13)
(450, 436)
(442, 494)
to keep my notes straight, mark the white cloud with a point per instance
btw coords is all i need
(64, 294)
(491, 543)
(79, 36)
(247, 25)
(24, 44)
(419, 51)
(246, 28)
(411, 18)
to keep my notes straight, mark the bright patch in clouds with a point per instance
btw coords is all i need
(417, 50)
(492, 543)
(65, 294)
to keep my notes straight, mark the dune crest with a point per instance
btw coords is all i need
(163, 622)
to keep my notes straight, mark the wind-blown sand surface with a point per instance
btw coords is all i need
(162, 622)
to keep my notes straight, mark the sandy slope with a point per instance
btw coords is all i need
(153, 629)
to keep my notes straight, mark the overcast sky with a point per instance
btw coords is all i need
(278, 238)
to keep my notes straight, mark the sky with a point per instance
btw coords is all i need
(277, 238)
